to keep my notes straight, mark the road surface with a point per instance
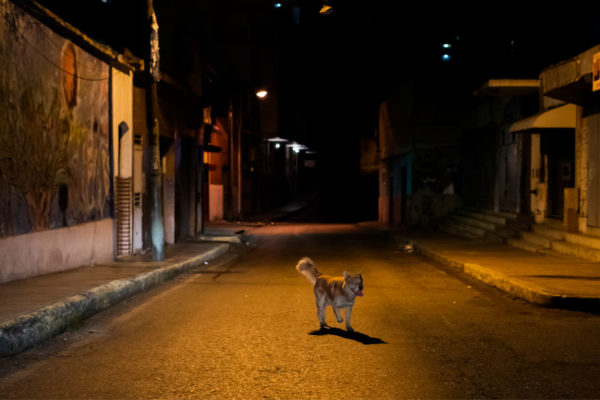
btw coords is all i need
(249, 330)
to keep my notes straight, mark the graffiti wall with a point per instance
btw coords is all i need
(54, 155)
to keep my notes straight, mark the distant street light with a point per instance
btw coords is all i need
(261, 94)
(326, 9)
(297, 147)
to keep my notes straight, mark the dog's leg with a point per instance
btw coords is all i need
(337, 314)
(348, 313)
(321, 310)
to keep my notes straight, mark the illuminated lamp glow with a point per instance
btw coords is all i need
(446, 57)
(261, 94)
(277, 5)
(277, 145)
(297, 147)
(277, 139)
(446, 45)
(326, 10)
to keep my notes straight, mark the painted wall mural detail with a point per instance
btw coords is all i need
(54, 156)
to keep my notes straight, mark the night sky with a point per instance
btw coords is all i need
(357, 56)
(334, 70)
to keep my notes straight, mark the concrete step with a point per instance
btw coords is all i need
(467, 220)
(457, 230)
(484, 216)
(543, 238)
(576, 250)
(507, 232)
(548, 232)
(494, 237)
(457, 226)
(525, 245)
(593, 231)
(536, 239)
(508, 215)
(583, 240)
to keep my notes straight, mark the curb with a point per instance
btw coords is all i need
(28, 330)
(515, 287)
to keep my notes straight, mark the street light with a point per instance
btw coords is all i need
(326, 9)
(261, 94)
(297, 147)
(278, 141)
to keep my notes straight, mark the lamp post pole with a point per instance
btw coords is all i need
(152, 76)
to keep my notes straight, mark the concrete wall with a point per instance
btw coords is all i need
(418, 149)
(395, 190)
(185, 186)
(121, 97)
(538, 169)
(55, 250)
(395, 132)
(55, 193)
(217, 178)
(122, 111)
(168, 170)
(582, 165)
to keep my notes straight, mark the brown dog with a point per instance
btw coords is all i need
(335, 291)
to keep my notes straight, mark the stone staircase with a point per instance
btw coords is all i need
(490, 226)
(552, 237)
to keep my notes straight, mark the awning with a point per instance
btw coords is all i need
(509, 87)
(557, 118)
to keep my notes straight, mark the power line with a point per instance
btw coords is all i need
(22, 36)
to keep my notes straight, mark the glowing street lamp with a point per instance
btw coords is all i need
(326, 9)
(261, 94)
(297, 147)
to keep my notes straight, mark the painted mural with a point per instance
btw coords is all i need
(54, 155)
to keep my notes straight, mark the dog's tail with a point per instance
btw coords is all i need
(307, 267)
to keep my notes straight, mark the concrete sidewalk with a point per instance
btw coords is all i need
(551, 280)
(35, 309)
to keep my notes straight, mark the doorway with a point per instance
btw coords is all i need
(404, 196)
(559, 146)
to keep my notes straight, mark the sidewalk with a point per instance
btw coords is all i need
(38, 308)
(550, 280)
(35, 309)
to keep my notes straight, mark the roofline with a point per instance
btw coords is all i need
(509, 86)
(123, 62)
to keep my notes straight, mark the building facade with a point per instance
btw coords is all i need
(419, 158)
(61, 148)
(564, 146)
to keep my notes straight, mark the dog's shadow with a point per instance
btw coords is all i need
(356, 336)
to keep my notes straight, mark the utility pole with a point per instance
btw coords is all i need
(152, 77)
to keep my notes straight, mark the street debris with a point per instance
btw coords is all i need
(409, 247)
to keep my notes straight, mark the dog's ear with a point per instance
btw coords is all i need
(346, 274)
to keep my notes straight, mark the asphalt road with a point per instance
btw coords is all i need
(249, 330)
